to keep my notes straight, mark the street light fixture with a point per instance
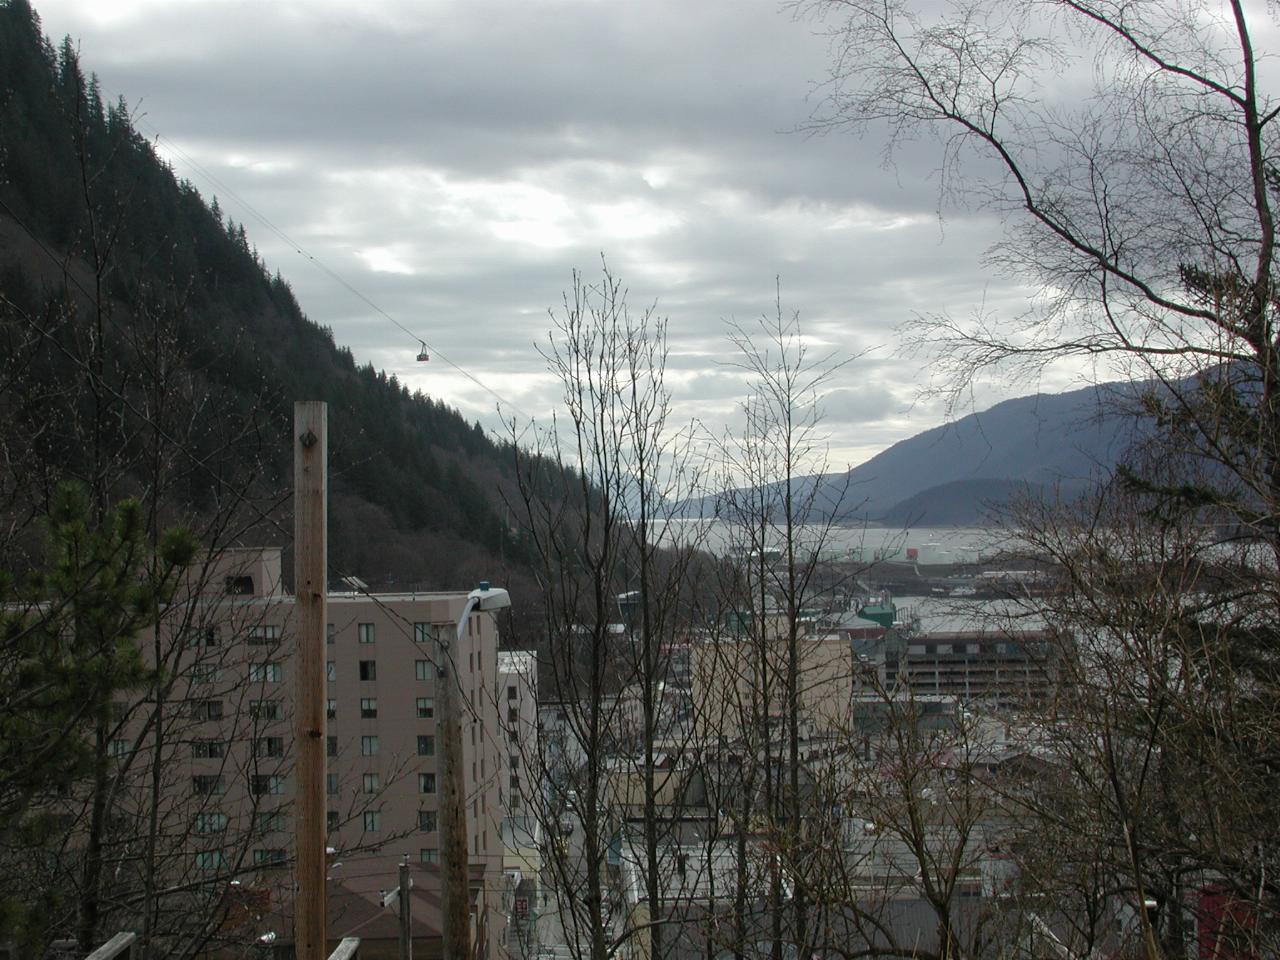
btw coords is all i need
(483, 599)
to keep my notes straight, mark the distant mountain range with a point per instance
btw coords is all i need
(961, 473)
(954, 475)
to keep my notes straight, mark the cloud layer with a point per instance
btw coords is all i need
(454, 162)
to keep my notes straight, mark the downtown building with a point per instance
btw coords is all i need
(228, 759)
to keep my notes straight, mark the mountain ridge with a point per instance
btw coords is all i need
(1066, 442)
(964, 472)
(110, 266)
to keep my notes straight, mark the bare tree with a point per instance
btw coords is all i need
(598, 498)
(1133, 150)
(772, 686)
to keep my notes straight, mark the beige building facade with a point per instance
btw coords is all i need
(231, 775)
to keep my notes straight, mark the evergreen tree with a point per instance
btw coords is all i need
(69, 647)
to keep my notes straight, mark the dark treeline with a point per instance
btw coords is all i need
(104, 253)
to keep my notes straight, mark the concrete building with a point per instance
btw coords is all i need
(231, 771)
(968, 650)
(733, 678)
(522, 835)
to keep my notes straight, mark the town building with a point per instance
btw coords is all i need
(229, 765)
(522, 832)
(993, 651)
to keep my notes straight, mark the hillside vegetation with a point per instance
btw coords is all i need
(149, 351)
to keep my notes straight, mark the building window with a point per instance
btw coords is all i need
(203, 749)
(206, 709)
(372, 821)
(515, 783)
(210, 822)
(207, 784)
(426, 783)
(372, 783)
(331, 708)
(205, 673)
(368, 708)
(331, 670)
(513, 761)
(331, 784)
(209, 860)
(268, 747)
(119, 748)
(330, 632)
(426, 708)
(368, 746)
(429, 855)
(263, 635)
(427, 821)
(422, 669)
(238, 586)
(206, 637)
(266, 785)
(368, 670)
(426, 746)
(269, 821)
(331, 820)
(270, 857)
(423, 633)
(331, 746)
(513, 715)
(267, 672)
(364, 632)
(511, 693)
(262, 709)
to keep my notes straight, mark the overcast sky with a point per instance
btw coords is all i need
(454, 161)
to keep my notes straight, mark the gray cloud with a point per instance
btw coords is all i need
(455, 162)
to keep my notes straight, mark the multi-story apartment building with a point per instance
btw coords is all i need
(522, 834)
(229, 772)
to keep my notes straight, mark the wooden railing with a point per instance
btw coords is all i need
(117, 946)
(348, 949)
(120, 946)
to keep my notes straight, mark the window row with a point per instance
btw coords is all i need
(372, 783)
(264, 821)
(424, 707)
(371, 821)
(258, 636)
(368, 670)
(268, 671)
(269, 634)
(214, 784)
(212, 860)
(213, 709)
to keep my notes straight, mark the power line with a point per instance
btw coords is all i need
(317, 262)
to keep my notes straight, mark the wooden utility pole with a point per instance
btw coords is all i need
(456, 882)
(406, 930)
(310, 583)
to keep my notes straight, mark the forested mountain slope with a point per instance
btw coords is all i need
(149, 351)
